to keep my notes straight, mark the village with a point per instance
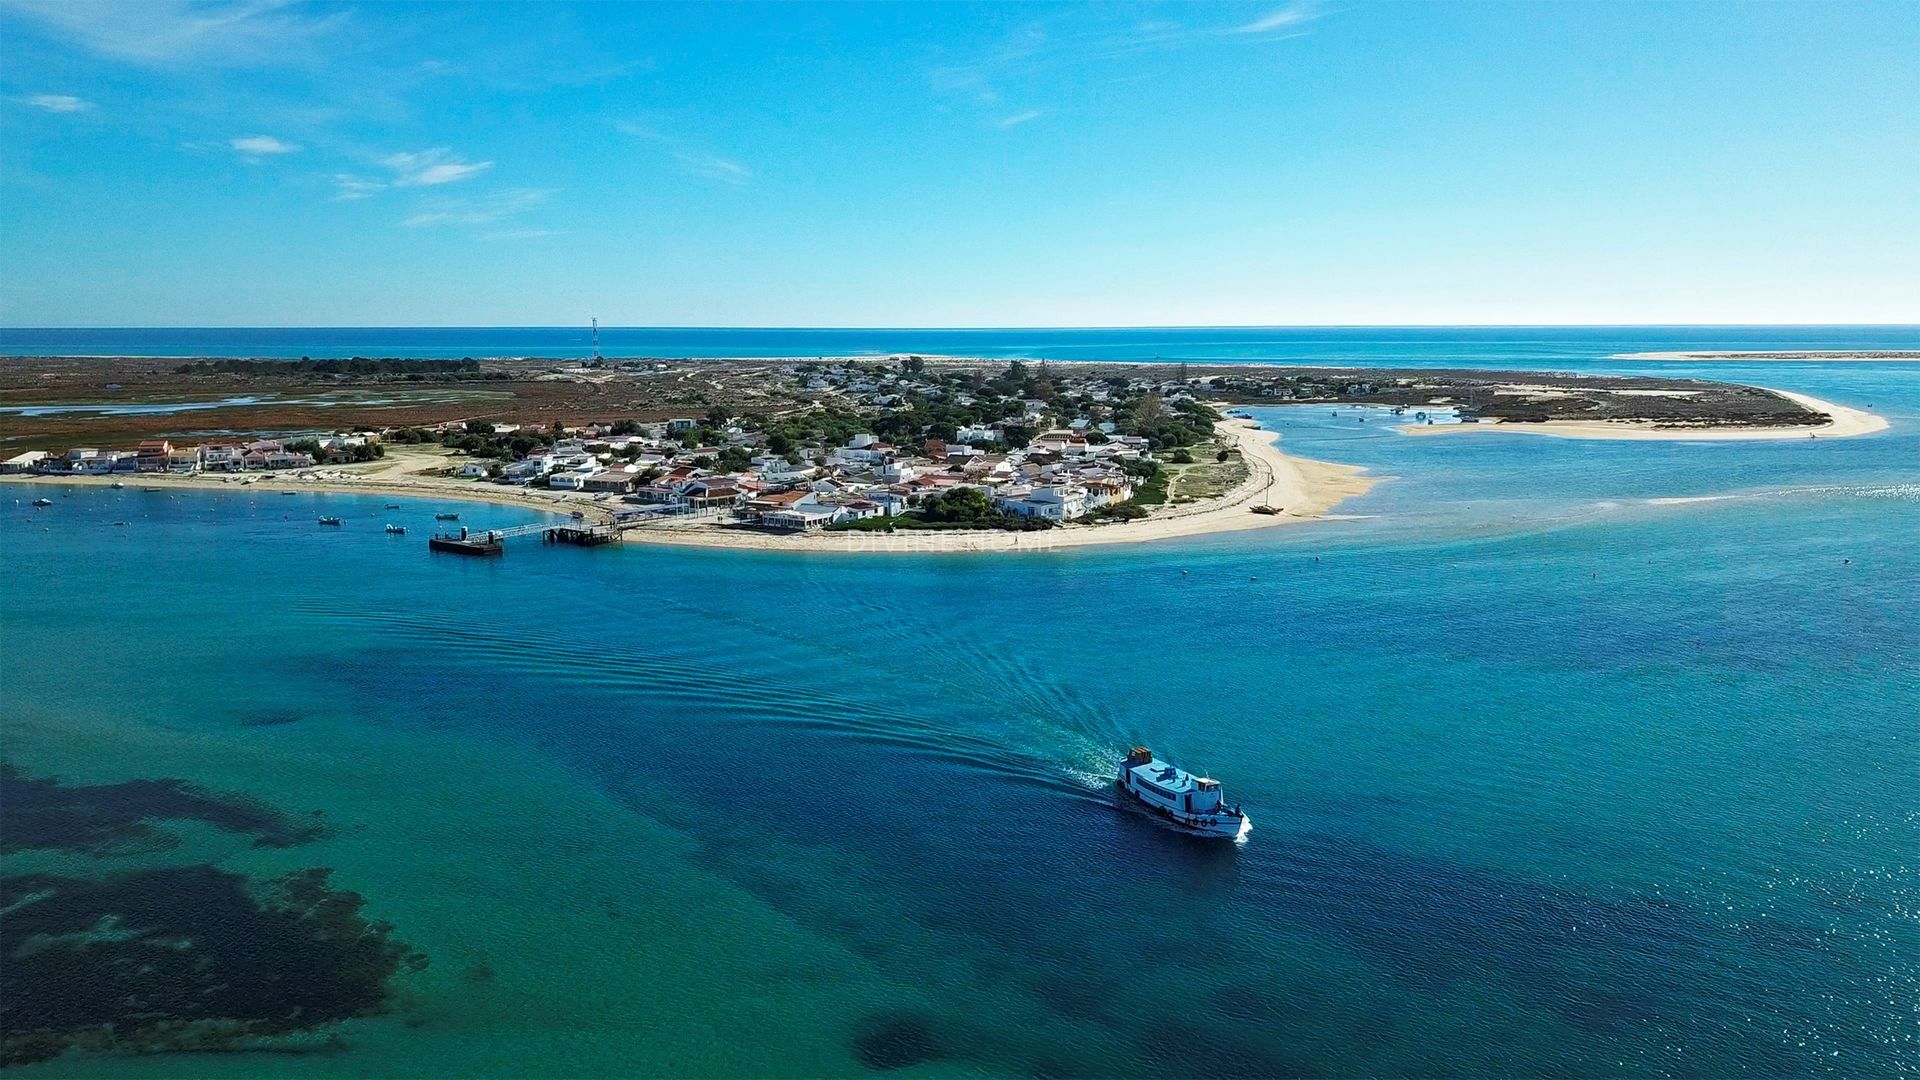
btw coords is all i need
(848, 445)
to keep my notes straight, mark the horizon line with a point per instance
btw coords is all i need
(979, 329)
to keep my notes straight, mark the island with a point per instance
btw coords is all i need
(890, 453)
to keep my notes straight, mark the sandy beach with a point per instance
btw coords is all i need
(1303, 489)
(1846, 422)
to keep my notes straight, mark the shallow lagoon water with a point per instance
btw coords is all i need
(1546, 777)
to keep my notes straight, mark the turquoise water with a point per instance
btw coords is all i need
(1547, 778)
(1472, 346)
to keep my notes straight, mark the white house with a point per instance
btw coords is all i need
(889, 502)
(526, 469)
(221, 457)
(287, 459)
(472, 470)
(572, 479)
(797, 518)
(863, 450)
(20, 463)
(1060, 502)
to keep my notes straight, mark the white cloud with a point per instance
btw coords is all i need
(232, 33)
(255, 146)
(58, 103)
(693, 162)
(1277, 19)
(431, 168)
(484, 210)
(1020, 118)
(348, 187)
(713, 168)
(1078, 37)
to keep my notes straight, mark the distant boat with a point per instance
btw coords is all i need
(119, 483)
(329, 521)
(289, 493)
(123, 523)
(151, 489)
(1194, 803)
(43, 502)
(393, 506)
(1268, 510)
(397, 530)
(446, 517)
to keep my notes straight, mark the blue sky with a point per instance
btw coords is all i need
(261, 163)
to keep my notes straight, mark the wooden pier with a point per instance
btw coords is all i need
(583, 535)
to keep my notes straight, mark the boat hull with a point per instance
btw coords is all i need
(1216, 826)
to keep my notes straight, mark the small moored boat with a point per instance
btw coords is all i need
(446, 517)
(329, 521)
(1194, 803)
(397, 530)
(43, 502)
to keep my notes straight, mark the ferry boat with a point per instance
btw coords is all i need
(329, 521)
(1194, 803)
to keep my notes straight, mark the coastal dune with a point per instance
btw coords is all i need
(1845, 422)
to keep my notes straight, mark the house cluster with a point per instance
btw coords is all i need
(161, 456)
(1059, 476)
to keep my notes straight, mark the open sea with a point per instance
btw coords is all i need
(1548, 776)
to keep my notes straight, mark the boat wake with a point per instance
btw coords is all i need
(1013, 740)
(1899, 492)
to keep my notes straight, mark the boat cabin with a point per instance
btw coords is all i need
(1166, 785)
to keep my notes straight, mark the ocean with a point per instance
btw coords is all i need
(1548, 775)
(1470, 346)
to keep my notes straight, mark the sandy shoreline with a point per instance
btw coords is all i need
(1846, 422)
(1305, 489)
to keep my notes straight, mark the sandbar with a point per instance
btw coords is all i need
(1845, 423)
